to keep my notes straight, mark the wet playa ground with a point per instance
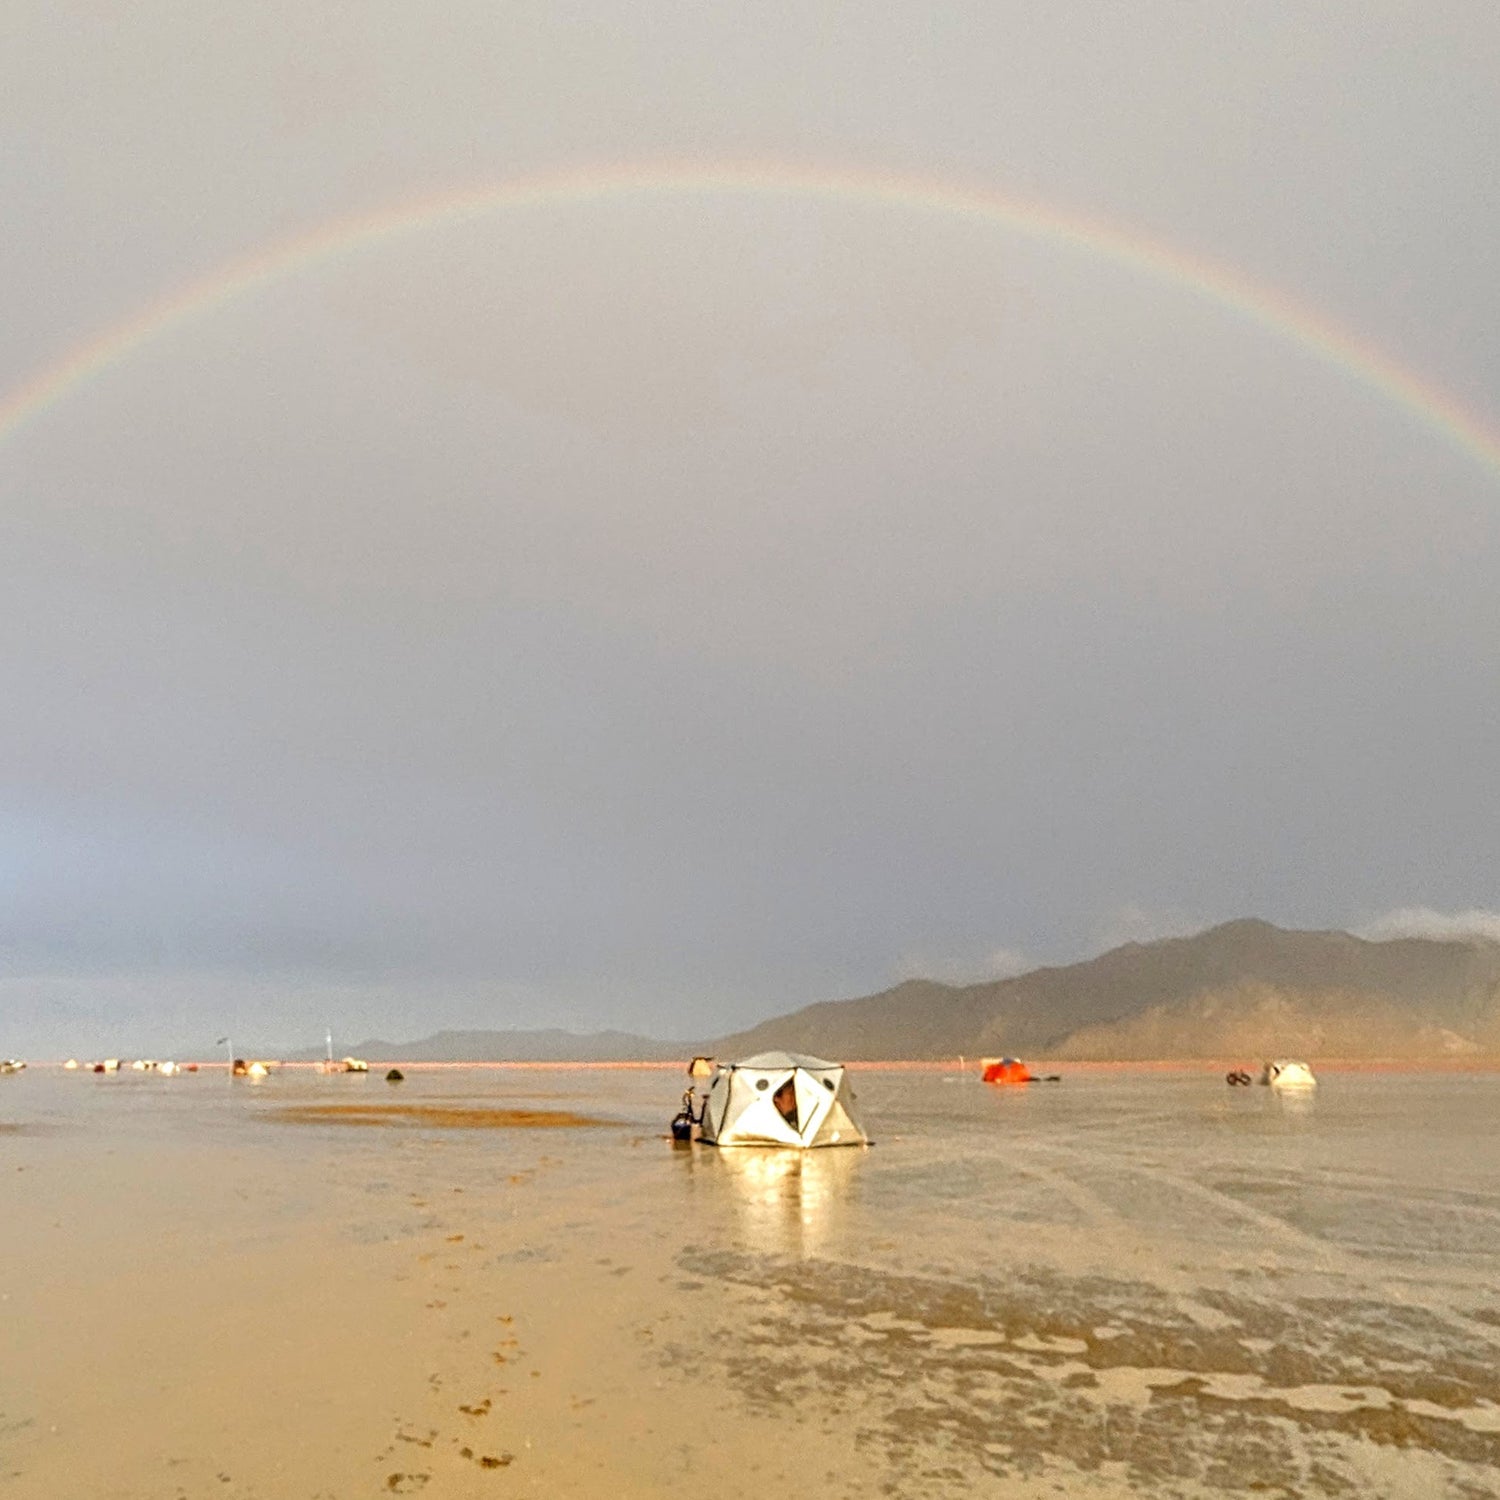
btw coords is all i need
(1120, 1285)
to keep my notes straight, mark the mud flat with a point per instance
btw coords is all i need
(1163, 1289)
(437, 1117)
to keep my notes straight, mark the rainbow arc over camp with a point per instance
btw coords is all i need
(1275, 312)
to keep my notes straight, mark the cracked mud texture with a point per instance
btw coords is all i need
(1233, 1393)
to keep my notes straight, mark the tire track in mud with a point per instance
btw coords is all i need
(1094, 1210)
(1327, 1255)
(1448, 1199)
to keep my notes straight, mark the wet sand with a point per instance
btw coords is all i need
(436, 1117)
(215, 1289)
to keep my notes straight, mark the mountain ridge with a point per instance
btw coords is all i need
(544, 1044)
(1242, 988)
(1243, 985)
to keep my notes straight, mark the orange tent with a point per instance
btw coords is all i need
(1007, 1070)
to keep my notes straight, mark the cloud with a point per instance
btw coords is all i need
(1424, 922)
(1138, 924)
(965, 968)
(1005, 963)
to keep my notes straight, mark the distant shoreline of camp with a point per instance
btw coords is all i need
(961, 1067)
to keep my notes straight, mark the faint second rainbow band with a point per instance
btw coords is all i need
(1272, 310)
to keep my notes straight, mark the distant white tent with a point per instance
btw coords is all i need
(1287, 1073)
(781, 1099)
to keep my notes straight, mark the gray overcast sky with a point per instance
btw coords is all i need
(668, 611)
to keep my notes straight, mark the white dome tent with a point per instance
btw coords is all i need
(781, 1099)
(1288, 1073)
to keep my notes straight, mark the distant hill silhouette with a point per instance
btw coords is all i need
(1243, 990)
(510, 1046)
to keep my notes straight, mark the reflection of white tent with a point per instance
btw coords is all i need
(788, 1202)
(781, 1099)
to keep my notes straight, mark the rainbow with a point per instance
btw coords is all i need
(1271, 310)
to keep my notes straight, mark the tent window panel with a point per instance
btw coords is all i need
(813, 1103)
(785, 1100)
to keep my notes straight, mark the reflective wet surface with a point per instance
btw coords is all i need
(1119, 1284)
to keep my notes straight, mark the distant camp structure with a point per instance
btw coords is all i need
(166, 1067)
(1288, 1073)
(781, 1099)
(1005, 1070)
(344, 1065)
(239, 1068)
(1012, 1070)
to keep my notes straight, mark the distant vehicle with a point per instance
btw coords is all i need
(11, 1064)
(1288, 1073)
